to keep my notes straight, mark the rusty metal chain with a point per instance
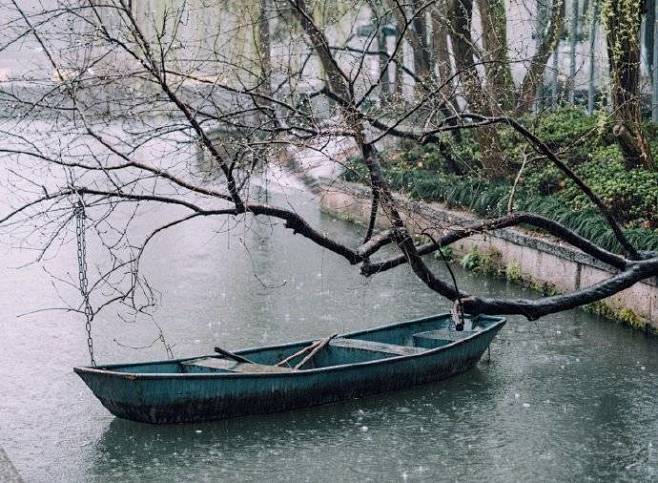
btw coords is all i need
(80, 217)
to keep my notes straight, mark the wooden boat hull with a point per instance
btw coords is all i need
(132, 392)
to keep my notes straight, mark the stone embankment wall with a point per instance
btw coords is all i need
(523, 256)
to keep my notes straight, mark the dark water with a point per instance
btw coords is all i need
(570, 397)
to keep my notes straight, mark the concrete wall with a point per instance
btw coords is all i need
(542, 260)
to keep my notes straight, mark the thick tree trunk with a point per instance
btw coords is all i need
(440, 48)
(444, 72)
(535, 75)
(622, 21)
(385, 83)
(441, 52)
(380, 19)
(494, 39)
(265, 56)
(416, 35)
(398, 82)
(420, 43)
(492, 158)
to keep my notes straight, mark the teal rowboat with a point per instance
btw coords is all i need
(350, 365)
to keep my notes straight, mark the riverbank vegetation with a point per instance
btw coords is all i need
(451, 172)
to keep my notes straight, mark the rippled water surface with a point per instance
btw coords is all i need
(570, 397)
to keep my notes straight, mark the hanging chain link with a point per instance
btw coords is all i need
(80, 216)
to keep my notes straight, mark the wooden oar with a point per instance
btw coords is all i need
(298, 353)
(230, 355)
(315, 350)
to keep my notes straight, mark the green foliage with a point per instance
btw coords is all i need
(568, 131)
(487, 262)
(411, 155)
(633, 194)
(582, 141)
(467, 152)
(471, 260)
(513, 273)
(565, 126)
(445, 252)
(626, 316)
(355, 170)
(547, 289)
(631, 318)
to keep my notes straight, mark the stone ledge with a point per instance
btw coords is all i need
(539, 257)
(441, 213)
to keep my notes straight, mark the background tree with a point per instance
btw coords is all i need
(549, 39)
(478, 98)
(623, 21)
(493, 17)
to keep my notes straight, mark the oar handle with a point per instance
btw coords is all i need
(230, 355)
(318, 347)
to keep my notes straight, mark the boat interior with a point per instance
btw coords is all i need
(409, 338)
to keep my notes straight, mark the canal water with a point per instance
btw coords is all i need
(570, 397)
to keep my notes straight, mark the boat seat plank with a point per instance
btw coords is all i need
(360, 344)
(446, 334)
(432, 339)
(234, 366)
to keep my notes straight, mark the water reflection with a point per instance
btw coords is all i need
(347, 439)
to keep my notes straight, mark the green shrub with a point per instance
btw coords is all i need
(471, 261)
(632, 194)
(584, 142)
(513, 272)
(355, 170)
(446, 253)
(482, 261)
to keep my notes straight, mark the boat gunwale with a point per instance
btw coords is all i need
(107, 369)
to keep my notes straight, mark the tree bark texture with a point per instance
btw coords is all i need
(491, 155)
(622, 20)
